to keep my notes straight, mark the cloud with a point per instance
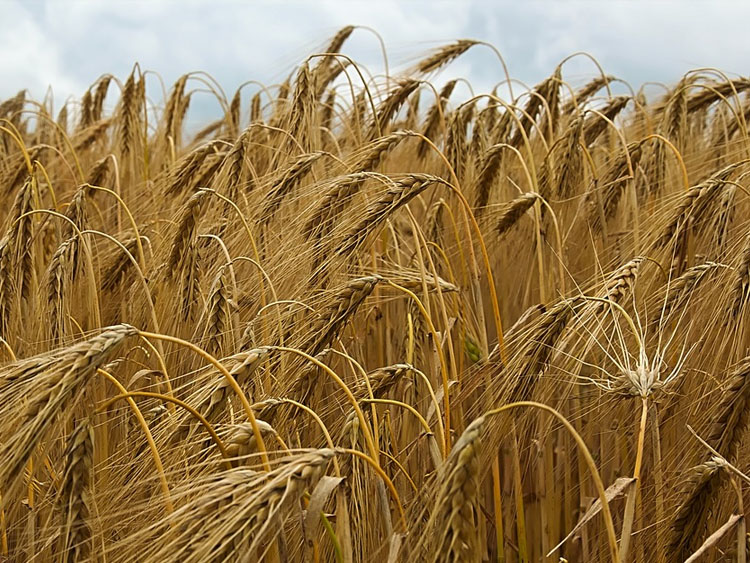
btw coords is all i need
(69, 44)
(29, 56)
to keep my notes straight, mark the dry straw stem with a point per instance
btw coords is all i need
(229, 378)
(350, 396)
(741, 289)
(36, 391)
(269, 406)
(146, 431)
(727, 427)
(327, 177)
(443, 364)
(614, 551)
(225, 452)
(75, 494)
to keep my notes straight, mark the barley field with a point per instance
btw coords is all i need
(376, 318)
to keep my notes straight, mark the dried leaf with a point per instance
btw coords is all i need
(616, 489)
(318, 498)
(439, 396)
(395, 547)
(714, 538)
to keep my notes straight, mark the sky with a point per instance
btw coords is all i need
(67, 44)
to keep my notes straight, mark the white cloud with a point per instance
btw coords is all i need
(29, 57)
(69, 44)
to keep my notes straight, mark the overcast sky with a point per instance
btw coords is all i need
(68, 43)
